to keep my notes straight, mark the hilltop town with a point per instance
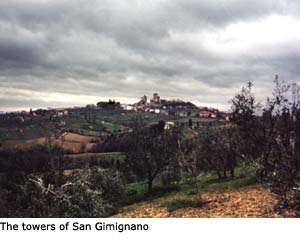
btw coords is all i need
(166, 107)
(155, 105)
(78, 128)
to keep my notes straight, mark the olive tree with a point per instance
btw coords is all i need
(150, 151)
(272, 139)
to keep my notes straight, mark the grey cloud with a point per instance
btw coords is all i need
(128, 48)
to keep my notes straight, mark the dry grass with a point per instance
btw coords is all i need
(253, 201)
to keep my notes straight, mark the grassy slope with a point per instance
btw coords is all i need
(208, 182)
(241, 196)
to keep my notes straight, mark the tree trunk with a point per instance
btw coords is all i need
(225, 175)
(232, 172)
(219, 174)
(150, 186)
(199, 198)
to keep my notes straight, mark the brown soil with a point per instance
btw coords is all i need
(23, 143)
(75, 147)
(71, 141)
(249, 202)
(78, 138)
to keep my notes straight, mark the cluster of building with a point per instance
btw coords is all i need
(155, 105)
(177, 108)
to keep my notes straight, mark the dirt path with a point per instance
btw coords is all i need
(250, 201)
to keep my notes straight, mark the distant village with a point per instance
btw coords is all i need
(166, 107)
(155, 105)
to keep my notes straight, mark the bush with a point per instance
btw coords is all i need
(34, 198)
(110, 183)
(35, 186)
(78, 199)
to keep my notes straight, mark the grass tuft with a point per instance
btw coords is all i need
(181, 203)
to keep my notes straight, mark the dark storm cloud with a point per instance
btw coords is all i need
(87, 50)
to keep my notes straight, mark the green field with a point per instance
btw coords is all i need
(26, 131)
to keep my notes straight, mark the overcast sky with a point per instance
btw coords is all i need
(75, 52)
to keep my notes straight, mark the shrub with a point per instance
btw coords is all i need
(34, 198)
(110, 183)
